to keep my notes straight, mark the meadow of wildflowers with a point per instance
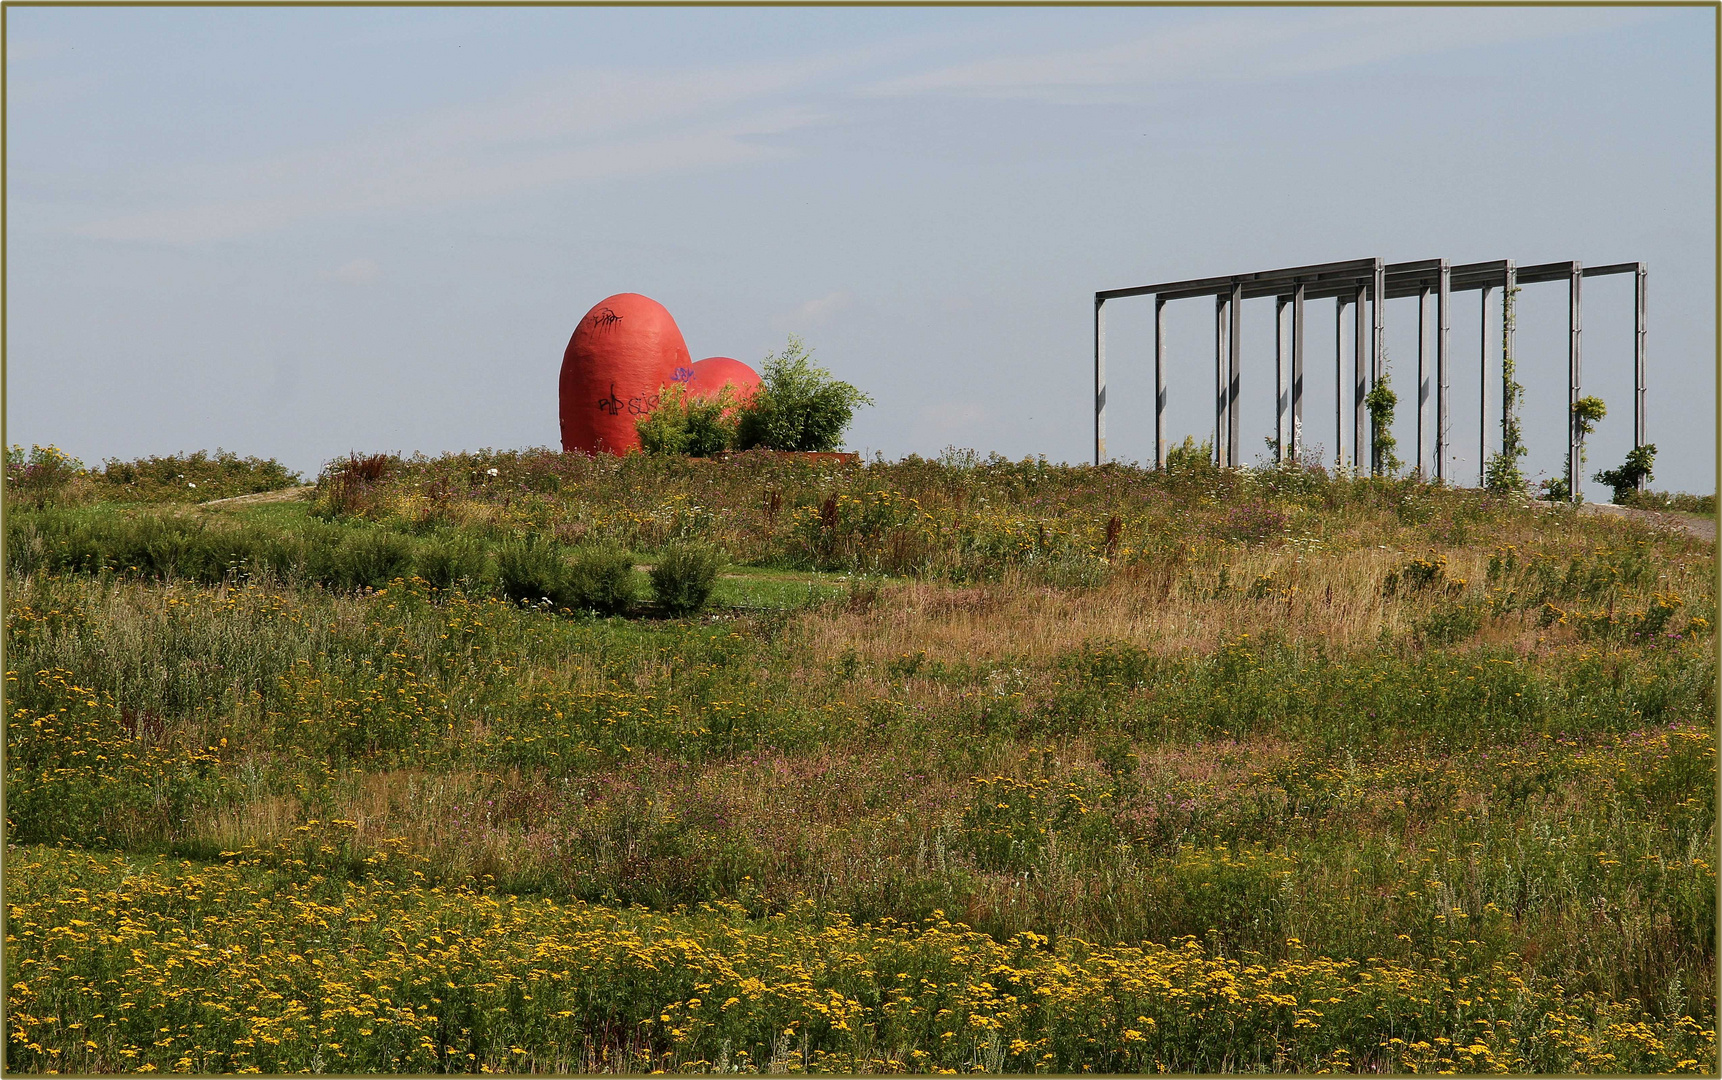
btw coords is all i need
(966, 765)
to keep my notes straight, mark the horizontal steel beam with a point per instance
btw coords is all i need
(1398, 287)
(1326, 284)
(1278, 286)
(1613, 268)
(1324, 281)
(1562, 271)
(1555, 271)
(1416, 266)
(1262, 283)
(1403, 279)
(1473, 269)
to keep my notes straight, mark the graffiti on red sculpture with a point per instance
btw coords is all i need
(623, 353)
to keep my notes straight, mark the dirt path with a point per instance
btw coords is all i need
(278, 495)
(1702, 527)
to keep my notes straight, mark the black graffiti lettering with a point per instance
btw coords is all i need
(604, 318)
(611, 405)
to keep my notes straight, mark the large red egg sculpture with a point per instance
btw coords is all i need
(714, 372)
(621, 355)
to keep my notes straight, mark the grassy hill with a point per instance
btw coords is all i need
(967, 764)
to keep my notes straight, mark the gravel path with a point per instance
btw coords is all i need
(278, 495)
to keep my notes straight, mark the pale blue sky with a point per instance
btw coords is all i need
(296, 232)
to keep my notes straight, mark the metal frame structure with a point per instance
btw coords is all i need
(1356, 282)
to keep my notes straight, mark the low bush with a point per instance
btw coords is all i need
(195, 477)
(307, 553)
(600, 578)
(47, 475)
(532, 571)
(798, 405)
(683, 577)
(198, 549)
(528, 570)
(697, 427)
(57, 540)
(1632, 473)
(42, 476)
(372, 557)
(1191, 456)
(221, 554)
(348, 488)
(449, 562)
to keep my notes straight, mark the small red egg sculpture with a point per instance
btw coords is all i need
(617, 363)
(714, 372)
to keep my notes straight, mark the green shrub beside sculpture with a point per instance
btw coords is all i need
(798, 406)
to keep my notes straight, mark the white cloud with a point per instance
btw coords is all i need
(587, 125)
(572, 127)
(1236, 47)
(813, 313)
(357, 272)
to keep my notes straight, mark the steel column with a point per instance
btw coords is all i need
(1281, 398)
(1338, 383)
(1159, 383)
(1378, 329)
(1099, 380)
(1509, 314)
(1359, 377)
(1443, 414)
(1234, 380)
(1377, 350)
(1483, 390)
(1296, 427)
(1422, 380)
(1221, 417)
(1575, 376)
(1641, 279)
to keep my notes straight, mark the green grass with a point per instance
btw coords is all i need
(752, 588)
(1680, 502)
(280, 515)
(1447, 756)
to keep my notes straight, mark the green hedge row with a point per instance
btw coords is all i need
(532, 570)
